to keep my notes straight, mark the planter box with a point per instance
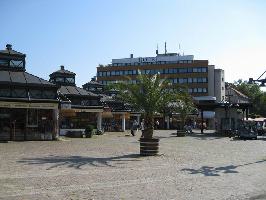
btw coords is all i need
(149, 147)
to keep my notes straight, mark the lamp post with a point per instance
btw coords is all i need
(259, 80)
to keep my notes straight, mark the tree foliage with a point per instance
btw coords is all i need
(256, 95)
(151, 94)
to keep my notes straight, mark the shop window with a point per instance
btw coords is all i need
(32, 118)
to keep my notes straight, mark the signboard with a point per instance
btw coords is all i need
(65, 106)
(4, 104)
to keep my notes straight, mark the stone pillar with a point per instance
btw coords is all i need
(167, 118)
(138, 119)
(201, 115)
(99, 121)
(56, 123)
(123, 122)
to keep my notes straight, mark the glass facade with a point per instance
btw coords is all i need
(153, 71)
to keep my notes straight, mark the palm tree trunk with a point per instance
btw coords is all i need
(149, 122)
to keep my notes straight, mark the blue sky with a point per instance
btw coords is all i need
(81, 34)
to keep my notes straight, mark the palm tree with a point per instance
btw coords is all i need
(150, 94)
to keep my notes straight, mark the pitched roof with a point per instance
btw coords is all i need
(75, 91)
(24, 78)
(62, 71)
(10, 51)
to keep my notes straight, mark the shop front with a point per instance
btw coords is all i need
(28, 121)
(77, 119)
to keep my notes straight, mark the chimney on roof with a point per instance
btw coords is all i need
(62, 67)
(131, 55)
(9, 47)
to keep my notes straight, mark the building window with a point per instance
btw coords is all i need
(16, 63)
(195, 90)
(200, 80)
(60, 79)
(195, 80)
(147, 71)
(222, 88)
(189, 70)
(100, 74)
(36, 94)
(204, 90)
(190, 80)
(204, 69)
(4, 92)
(107, 74)
(32, 118)
(190, 90)
(70, 80)
(49, 94)
(183, 70)
(113, 73)
(19, 93)
(130, 72)
(204, 80)
(222, 79)
(4, 62)
(200, 90)
(134, 72)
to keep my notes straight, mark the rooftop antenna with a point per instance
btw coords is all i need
(165, 51)
(157, 50)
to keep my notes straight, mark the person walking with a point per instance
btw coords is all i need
(142, 127)
(134, 127)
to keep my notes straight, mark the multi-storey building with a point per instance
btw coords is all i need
(200, 78)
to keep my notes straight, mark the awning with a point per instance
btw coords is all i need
(6, 104)
(107, 115)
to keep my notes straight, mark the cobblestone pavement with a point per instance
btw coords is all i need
(109, 167)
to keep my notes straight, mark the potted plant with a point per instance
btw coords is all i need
(184, 106)
(89, 131)
(149, 95)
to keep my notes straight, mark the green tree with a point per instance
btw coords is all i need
(185, 106)
(151, 94)
(256, 95)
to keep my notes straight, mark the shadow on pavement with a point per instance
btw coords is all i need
(79, 161)
(216, 171)
(205, 136)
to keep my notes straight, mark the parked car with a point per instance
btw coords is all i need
(247, 130)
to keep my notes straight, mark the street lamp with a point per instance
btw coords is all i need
(261, 81)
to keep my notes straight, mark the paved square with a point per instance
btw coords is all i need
(108, 167)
